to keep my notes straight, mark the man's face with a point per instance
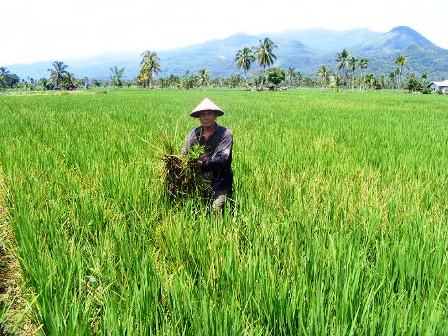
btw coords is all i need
(207, 118)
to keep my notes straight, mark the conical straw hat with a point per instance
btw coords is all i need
(206, 105)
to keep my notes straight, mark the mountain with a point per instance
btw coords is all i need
(304, 50)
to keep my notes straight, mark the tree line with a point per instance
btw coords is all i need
(349, 73)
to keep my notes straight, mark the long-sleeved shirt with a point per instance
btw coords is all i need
(217, 161)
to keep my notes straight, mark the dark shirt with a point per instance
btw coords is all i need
(217, 161)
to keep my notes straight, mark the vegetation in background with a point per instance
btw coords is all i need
(349, 72)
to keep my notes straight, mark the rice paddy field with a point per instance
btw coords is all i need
(340, 224)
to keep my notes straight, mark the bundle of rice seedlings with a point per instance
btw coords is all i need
(182, 181)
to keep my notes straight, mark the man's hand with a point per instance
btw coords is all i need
(196, 165)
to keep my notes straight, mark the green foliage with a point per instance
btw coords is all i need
(340, 222)
(264, 53)
(415, 84)
(8, 80)
(182, 181)
(244, 59)
(276, 75)
(149, 68)
(57, 73)
(117, 74)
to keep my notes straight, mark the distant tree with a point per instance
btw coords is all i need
(264, 53)
(188, 80)
(243, 59)
(96, 83)
(335, 82)
(203, 77)
(57, 73)
(363, 64)
(290, 73)
(352, 63)
(324, 74)
(3, 75)
(299, 78)
(149, 67)
(415, 84)
(393, 75)
(258, 79)
(44, 84)
(381, 82)
(236, 80)
(8, 79)
(116, 76)
(401, 61)
(174, 81)
(69, 81)
(276, 75)
(342, 60)
(84, 82)
(370, 80)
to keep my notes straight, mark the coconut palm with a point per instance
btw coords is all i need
(69, 81)
(58, 72)
(401, 61)
(3, 74)
(363, 64)
(342, 59)
(203, 77)
(382, 82)
(149, 67)
(324, 73)
(370, 80)
(291, 73)
(352, 63)
(116, 76)
(335, 82)
(243, 59)
(264, 53)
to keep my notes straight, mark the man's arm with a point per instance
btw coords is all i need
(222, 154)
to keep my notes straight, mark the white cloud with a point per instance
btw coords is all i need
(50, 29)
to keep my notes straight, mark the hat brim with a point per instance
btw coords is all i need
(197, 114)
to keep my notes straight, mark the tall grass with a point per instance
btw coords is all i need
(340, 224)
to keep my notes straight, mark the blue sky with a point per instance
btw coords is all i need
(34, 30)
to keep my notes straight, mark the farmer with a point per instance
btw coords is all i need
(217, 159)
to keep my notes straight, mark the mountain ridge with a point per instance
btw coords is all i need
(304, 50)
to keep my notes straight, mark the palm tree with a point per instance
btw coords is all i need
(352, 62)
(324, 73)
(342, 61)
(203, 77)
(363, 63)
(401, 61)
(393, 77)
(3, 74)
(57, 73)
(243, 59)
(336, 82)
(382, 82)
(44, 84)
(69, 81)
(290, 72)
(116, 76)
(370, 80)
(149, 66)
(265, 55)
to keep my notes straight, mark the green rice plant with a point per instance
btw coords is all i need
(341, 222)
(180, 178)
